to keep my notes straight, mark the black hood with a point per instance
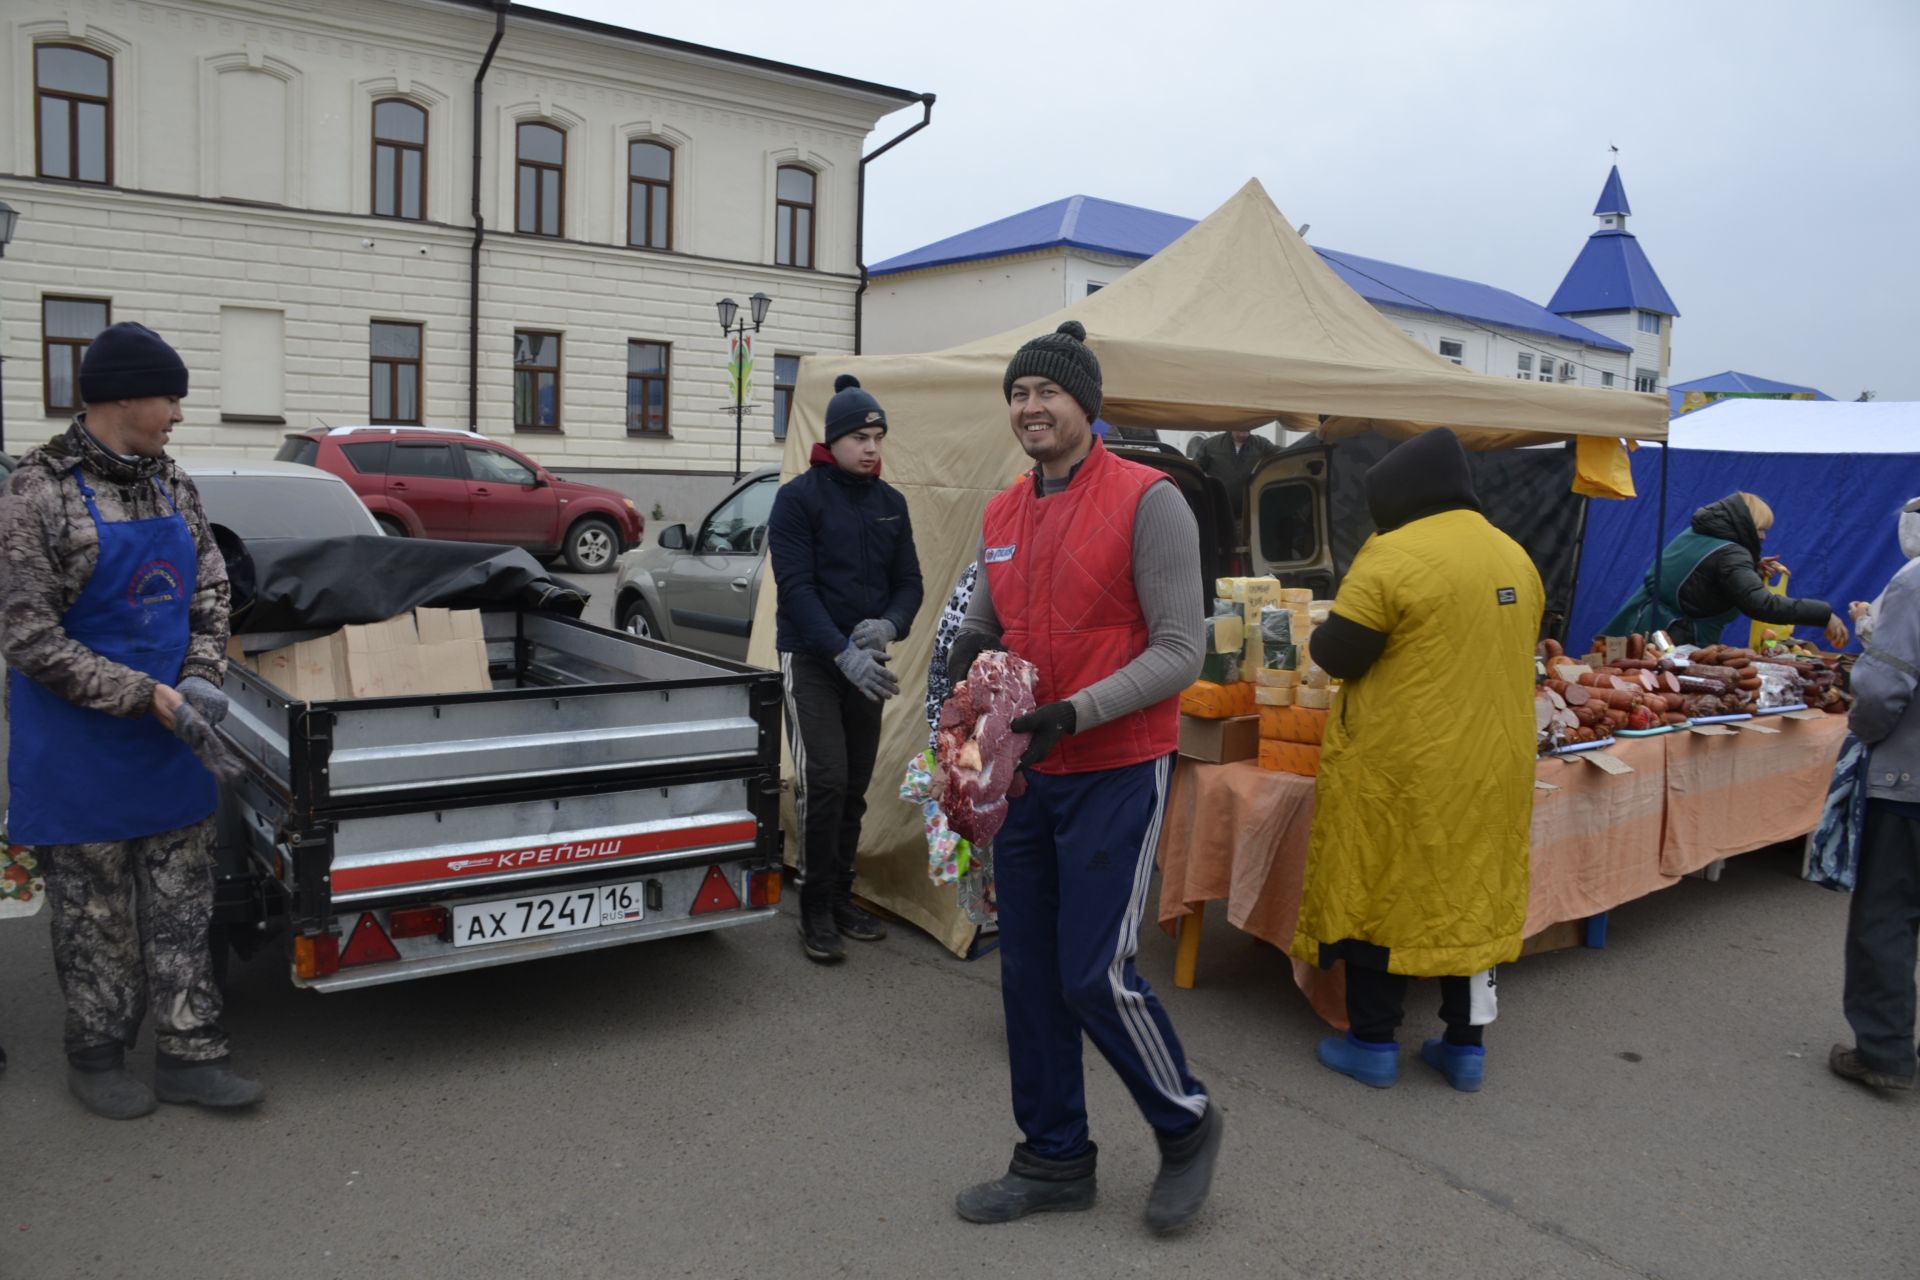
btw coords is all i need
(1729, 518)
(1422, 477)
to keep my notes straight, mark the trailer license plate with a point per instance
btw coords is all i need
(511, 918)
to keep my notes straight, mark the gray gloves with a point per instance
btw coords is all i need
(874, 633)
(207, 746)
(867, 672)
(204, 696)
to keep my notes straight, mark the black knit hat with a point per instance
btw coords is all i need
(1062, 357)
(851, 409)
(128, 361)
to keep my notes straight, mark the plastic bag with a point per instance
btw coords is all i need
(23, 882)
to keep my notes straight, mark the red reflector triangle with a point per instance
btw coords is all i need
(369, 943)
(715, 894)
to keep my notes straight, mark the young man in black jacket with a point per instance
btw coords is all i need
(849, 585)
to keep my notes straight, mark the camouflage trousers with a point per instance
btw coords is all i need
(130, 922)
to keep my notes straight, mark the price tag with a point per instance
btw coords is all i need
(1543, 786)
(1606, 763)
(1616, 648)
(1712, 730)
(1805, 715)
(1754, 726)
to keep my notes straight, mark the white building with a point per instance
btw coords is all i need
(286, 192)
(1008, 272)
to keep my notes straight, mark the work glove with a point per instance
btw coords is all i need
(965, 648)
(874, 633)
(208, 747)
(867, 672)
(1048, 725)
(205, 697)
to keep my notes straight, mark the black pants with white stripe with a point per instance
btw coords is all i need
(834, 732)
(1071, 872)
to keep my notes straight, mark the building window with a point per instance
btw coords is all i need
(793, 216)
(1454, 350)
(1606, 378)
(1649, 321)
(1645, 380)
(647, 366)
(399, 159)
(540, 202)
(649, 195)
(1526, 367)
(394, 373)
(786, 372)
(67, 328)
(536, 381)
(73, 97)
(1095, 286)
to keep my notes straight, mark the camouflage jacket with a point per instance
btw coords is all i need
(48, 550)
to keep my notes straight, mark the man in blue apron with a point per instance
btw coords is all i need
(114, 614)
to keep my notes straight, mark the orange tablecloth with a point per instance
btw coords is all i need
(1238, 833)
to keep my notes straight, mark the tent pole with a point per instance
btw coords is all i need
(1660, 534)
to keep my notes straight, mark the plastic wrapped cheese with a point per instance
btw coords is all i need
(1318, 699)
(1272, 696)
(1276, 678)
(1289, 757)
(1212, 701)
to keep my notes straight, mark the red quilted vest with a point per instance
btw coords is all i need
(1060, 571)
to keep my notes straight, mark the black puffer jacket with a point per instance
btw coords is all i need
(1730, 577)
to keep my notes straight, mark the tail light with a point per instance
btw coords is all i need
(763, 888)
(316, 956)
(420, 922)
(715, 894)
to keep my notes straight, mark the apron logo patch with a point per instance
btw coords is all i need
(1508, 595)
(1000, 555)
(155, 582)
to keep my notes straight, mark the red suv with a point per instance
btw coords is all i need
(434, 482)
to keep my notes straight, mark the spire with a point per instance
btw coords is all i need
(1612, 272)
(1612, 208)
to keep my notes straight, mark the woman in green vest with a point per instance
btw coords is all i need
(1714, 573)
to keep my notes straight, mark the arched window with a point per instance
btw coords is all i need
(793, 216)
(73, 101)
(399, 159)
(540, 201)
(650, 195)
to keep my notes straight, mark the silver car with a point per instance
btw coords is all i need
(699, 590)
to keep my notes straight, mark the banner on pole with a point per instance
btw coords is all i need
(740, 368)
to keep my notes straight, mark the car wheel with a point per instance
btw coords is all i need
(391, 527)
(591, 546)
(637, 620)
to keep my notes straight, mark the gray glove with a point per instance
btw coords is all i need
(874, 633)
(205, 697)
(867, 672)
(207, 746)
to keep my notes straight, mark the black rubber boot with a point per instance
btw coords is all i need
(98, 1077)
(1031, 1184)
(859, 925)
(209, 1084)
(819, 939)
(1186, 1173)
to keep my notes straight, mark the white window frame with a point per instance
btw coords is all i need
(1642, 319)
(1525, 367)
(1645, 380)
(1459, 353)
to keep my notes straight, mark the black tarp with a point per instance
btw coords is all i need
(1526, 493)
(299, 584)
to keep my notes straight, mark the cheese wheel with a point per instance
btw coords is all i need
(1317, 699)
(1275, 678)
(1272, 696)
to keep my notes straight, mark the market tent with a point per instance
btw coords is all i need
(1236, 323)
(1836, 474)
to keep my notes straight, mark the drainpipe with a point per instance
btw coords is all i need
(479, 225)
(860, 231)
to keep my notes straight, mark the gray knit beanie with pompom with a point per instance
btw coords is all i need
(1062, 357)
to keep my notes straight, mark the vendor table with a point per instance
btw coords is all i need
(1238, 834)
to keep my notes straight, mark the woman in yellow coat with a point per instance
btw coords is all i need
(1418, 865)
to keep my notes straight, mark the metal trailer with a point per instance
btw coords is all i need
(607, 790)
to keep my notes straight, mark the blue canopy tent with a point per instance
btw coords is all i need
(1835, 473)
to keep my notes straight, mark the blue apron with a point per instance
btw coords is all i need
(79, 776)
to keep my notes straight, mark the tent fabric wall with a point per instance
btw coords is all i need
(1836, 481)
(1237, 323)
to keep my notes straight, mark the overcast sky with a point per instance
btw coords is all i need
(1770, 149)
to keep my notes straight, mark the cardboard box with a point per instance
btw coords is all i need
(1220, 741)
(425, 652)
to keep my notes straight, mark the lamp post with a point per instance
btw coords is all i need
(740, 363)
(9, 219)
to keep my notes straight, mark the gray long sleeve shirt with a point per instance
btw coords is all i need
(1886, 714)
(1166, 570)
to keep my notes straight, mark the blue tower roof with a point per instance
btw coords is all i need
(1611, 274)
(1613, 196)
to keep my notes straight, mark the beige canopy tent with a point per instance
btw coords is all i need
(1235, 324)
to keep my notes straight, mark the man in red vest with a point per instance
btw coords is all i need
(1090, 569)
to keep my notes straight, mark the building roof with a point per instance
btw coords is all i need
(1128, 231)
(1613, 196)
(1739, 384)
(1611, 274)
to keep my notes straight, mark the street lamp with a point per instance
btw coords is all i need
(740, 363)
(9, 219)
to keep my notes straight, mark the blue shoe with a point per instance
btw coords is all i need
(1375, 1065)
(1464, 1065)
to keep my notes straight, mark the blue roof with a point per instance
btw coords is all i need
(1731, 383)
(1613, 196)
(1128, 231)
(1611, 274)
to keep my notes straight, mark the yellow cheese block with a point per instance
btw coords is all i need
(1293, 724)
(1289, 757)
(1212, 701)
